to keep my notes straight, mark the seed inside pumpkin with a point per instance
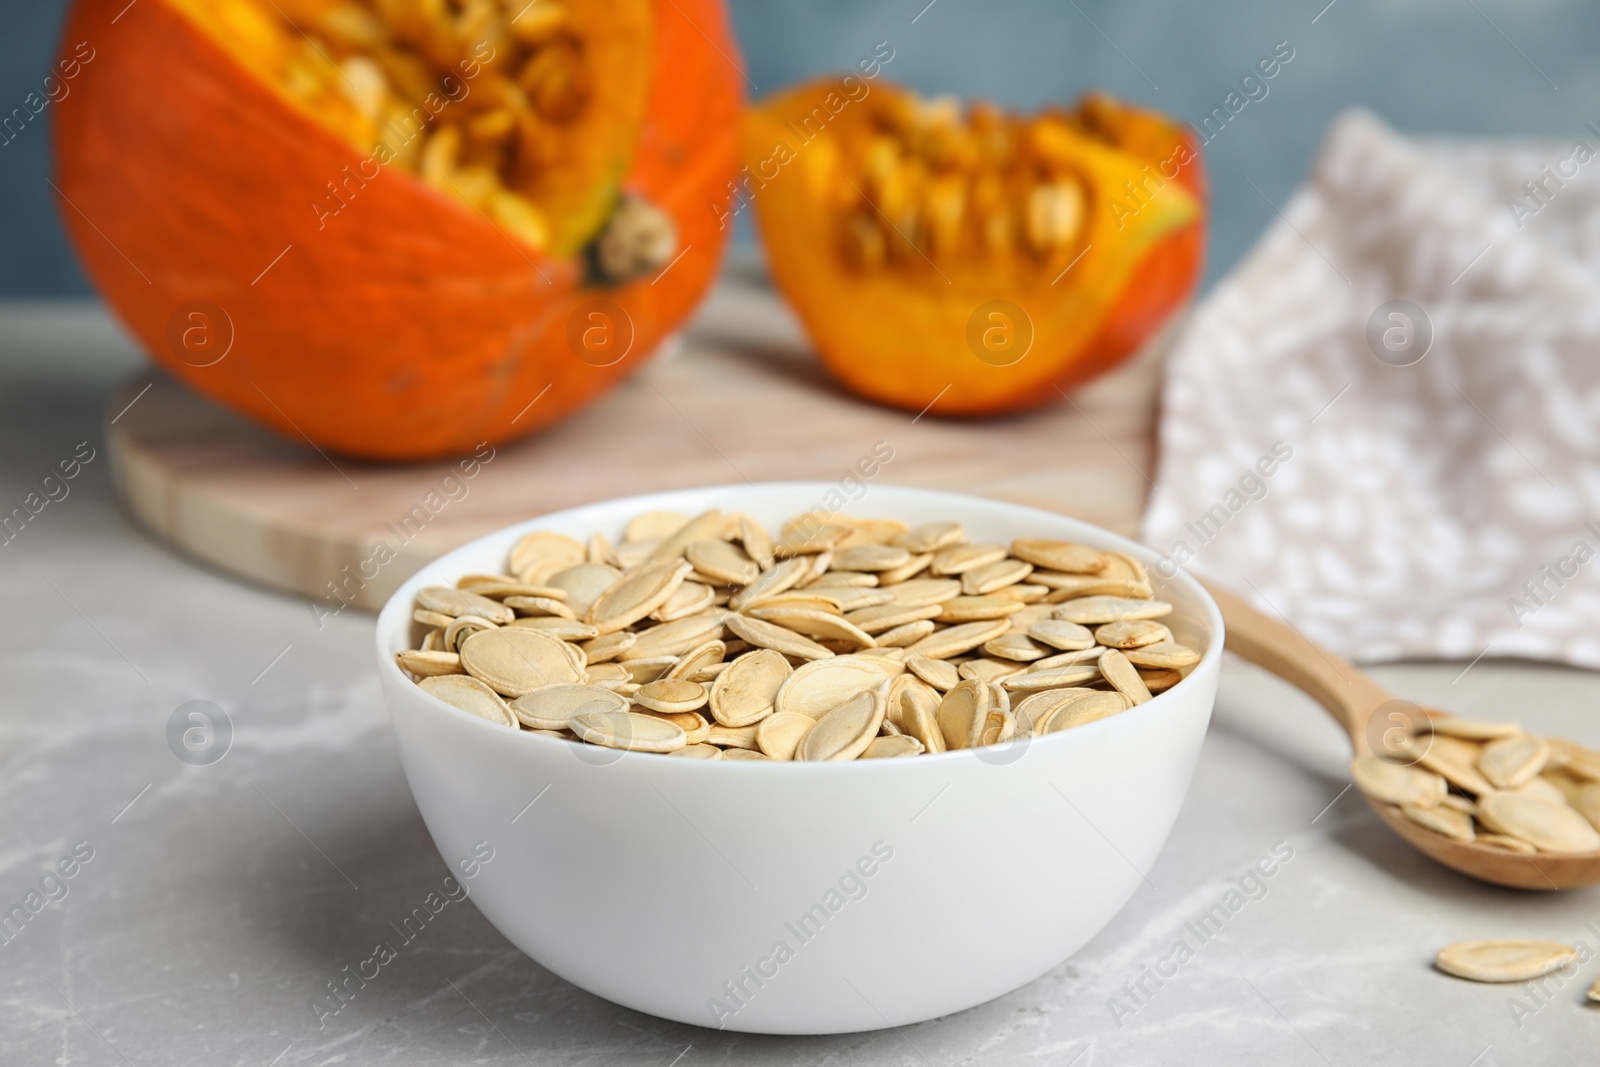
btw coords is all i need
(524, 111)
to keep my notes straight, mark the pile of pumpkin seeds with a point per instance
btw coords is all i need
(1491, 783)
(840, 638)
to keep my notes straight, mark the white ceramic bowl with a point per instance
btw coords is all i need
(802, 898)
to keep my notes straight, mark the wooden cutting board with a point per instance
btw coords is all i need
(739, 397)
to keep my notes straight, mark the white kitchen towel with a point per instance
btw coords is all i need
(1416, 479)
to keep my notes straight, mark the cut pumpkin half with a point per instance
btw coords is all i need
(985, 259)
(400, 225)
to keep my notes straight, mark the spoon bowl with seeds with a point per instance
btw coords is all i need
(697, 727)
(1487, 799)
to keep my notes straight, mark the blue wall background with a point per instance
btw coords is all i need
(1509, 67)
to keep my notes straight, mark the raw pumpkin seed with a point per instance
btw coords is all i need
(1504, 961)
(891, 747)
(780, 734)
(746, 691)
(443, 600)
(428, 664)
(513, 660)
(636, 595)
(844, 732)
(1548, 826)
(1396, 784)
(629, 730)
(1513, 761)
(553, 707)
(1441, 820)
(470, 695)
(670, 696)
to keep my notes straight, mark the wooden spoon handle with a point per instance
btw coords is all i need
(1350, 696)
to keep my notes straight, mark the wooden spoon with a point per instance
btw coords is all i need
(1352, 698)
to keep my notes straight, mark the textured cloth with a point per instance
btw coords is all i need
(1444, 507)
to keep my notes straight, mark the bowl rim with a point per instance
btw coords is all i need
(396, 612)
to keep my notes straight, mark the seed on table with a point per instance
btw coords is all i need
(1504, 961)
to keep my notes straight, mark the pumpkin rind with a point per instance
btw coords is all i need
(406, 325)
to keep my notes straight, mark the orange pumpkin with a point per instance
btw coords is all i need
(398, 228)
(967, 259)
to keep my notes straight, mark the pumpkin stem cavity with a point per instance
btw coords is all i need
(639, 239)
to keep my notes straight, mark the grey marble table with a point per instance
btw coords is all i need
(217, 902)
